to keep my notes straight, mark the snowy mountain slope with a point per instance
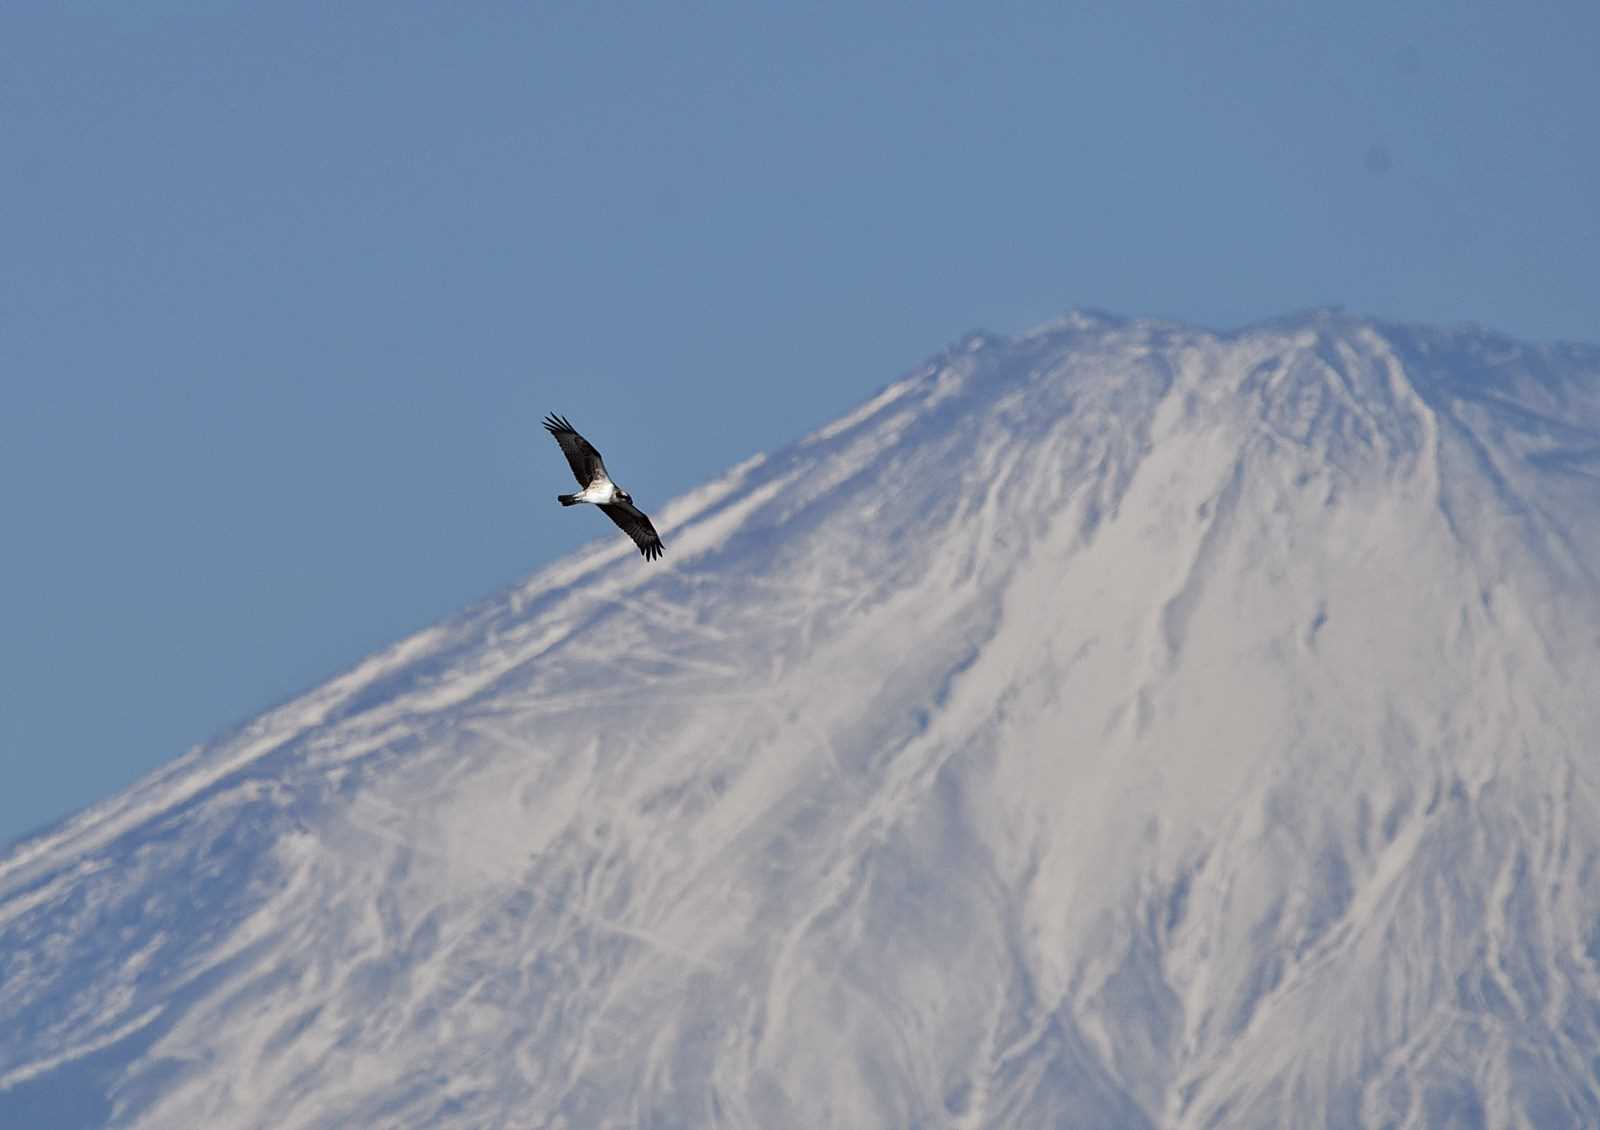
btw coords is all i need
(1120, 725)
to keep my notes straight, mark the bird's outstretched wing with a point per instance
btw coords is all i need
(636, 526)
(581, 455)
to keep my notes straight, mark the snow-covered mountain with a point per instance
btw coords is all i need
(1121, 725)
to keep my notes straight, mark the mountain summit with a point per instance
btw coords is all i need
(1120, 725)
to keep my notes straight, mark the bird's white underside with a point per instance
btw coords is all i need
(600, 492)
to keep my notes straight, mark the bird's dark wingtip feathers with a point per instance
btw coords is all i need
(556, 424)
(651, 551)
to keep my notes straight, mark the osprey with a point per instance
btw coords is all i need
(599, 489)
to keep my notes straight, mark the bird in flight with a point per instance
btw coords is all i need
(598, 488)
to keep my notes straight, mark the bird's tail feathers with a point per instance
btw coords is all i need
(568, 499)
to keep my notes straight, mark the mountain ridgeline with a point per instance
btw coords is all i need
(1119, 725)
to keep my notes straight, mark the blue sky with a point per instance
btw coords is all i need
(285, 288)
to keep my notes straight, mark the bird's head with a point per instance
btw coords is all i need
(624, 496)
